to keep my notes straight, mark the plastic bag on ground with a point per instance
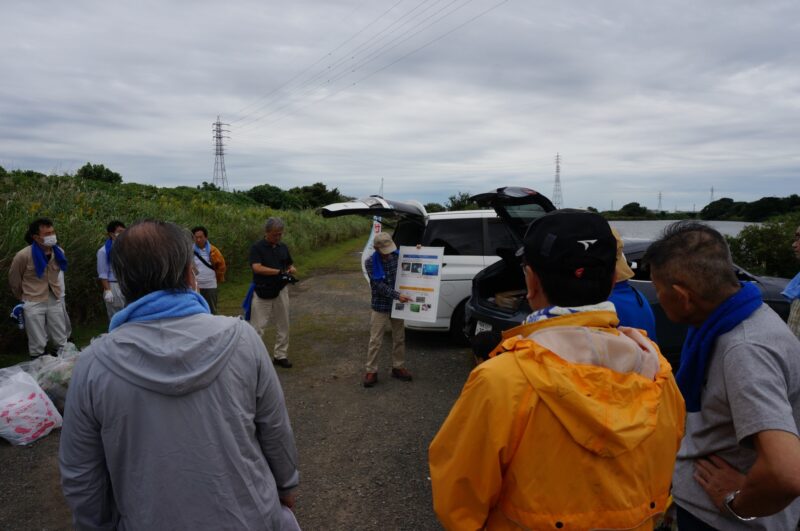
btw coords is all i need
(26, 412)
(53, 373)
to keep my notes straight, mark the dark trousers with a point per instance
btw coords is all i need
(688, 522)
(210, 295)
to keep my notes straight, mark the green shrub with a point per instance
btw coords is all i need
(765, 249)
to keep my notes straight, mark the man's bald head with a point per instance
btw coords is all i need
(695, 256)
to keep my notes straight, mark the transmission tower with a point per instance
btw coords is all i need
(712, 195)
(558, 199)
(659, 202)
(220, 176)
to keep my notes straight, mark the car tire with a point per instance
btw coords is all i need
(457, 326)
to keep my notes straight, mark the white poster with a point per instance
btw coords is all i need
(419, 272)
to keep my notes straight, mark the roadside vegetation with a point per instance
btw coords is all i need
(81, 207)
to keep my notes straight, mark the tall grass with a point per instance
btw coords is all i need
(81, 209)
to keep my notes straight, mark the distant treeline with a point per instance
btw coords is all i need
(760, 210)
(298, 198)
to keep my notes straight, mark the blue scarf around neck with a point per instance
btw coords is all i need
(377, 265)
(207, 248)
(699, 343)
(40, 259)
(161, 304)
(792, 290)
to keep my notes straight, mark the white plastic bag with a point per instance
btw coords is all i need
(26, 412)
(53, 373)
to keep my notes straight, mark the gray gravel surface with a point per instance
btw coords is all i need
(363, 452)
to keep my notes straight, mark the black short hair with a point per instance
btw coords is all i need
(563, 288)
(35, 226)
(200, 228)
(483, 343)
(152, 256)
(694, 255)
(114, 225)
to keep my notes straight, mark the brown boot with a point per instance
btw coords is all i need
(370, 379)
(401, 373)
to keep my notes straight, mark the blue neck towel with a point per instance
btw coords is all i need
(792, 290)
(207, 248)
(40, 259)
(699, 343)
(248, 301)
(377, 265)
(160, 305)
(107, 246)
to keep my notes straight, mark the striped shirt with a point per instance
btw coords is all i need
(794, 317)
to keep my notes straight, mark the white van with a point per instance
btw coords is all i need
(470, 239)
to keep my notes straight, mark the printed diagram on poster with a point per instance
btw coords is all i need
(419, 274)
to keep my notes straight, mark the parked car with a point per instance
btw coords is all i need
(498, 298)
(470, 239)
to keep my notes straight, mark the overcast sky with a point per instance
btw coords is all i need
(433, 96)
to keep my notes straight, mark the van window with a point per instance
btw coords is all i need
(500, 237)
(457, 236)
(408, 232)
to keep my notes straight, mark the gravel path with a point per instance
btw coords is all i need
(363, 452)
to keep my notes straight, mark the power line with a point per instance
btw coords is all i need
(334, 69)
(330, 53)
(377, 71)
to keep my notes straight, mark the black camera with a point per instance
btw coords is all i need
(286, 278)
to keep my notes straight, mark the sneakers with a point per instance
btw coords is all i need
(370, 379)
(283, 362)
(401, 373)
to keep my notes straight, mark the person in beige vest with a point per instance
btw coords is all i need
(34, 279)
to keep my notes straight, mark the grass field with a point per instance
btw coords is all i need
(231, 294)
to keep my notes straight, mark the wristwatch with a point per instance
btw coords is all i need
(729, 500)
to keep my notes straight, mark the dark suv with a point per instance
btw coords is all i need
(498, 297)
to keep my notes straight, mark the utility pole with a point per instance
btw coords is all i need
(220, 176)
(558, 200)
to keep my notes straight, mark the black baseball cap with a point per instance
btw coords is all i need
(573, 242)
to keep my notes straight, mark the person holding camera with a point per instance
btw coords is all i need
(273, 269)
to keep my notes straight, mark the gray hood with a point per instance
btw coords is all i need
(172, 356)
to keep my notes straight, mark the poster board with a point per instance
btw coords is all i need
(419, 274)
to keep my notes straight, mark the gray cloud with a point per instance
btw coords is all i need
(673, 97)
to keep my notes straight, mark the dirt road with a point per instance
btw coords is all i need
(363, 452)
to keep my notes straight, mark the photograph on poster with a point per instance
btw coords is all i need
(430, 270)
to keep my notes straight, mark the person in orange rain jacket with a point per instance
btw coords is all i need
(577, 423)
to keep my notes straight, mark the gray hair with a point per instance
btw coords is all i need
(696, 256)
(273, 223)
(151, 256)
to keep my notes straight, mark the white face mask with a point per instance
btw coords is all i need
(49, 241)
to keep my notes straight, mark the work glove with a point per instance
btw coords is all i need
(108, 296)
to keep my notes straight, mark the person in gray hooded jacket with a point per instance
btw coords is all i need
(175, 419)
